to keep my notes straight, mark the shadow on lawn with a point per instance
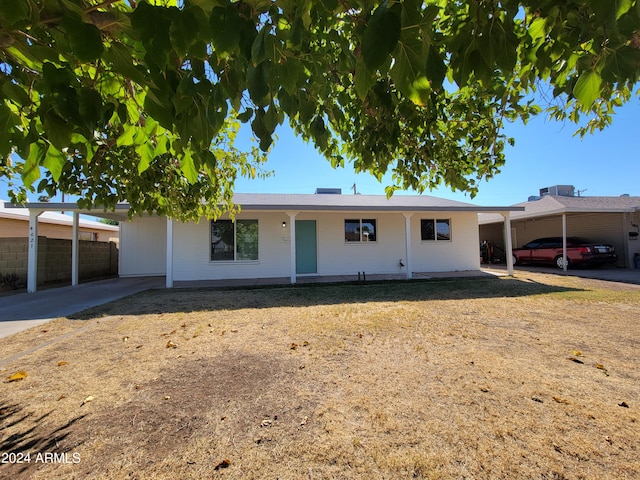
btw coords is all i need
(307, 295)
(31, 439)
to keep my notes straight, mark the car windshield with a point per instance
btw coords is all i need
(534, 244)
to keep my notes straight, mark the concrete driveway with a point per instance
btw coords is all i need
(25, 310)
(622, 275)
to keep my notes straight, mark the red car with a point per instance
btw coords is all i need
(580, 252)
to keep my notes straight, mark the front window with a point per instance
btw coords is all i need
(435, 229)
(231, 241)
(360, 230)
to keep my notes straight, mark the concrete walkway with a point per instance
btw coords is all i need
(25, 310)
(310, 279)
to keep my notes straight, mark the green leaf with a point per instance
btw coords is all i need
(188, 168)
(225, 28)
(537, 30)
(289, 74)
(120, 58)
(57, 129)
(184, 29)
(54, 161)
(245, 116)
(8, 120)
(258, 82)
(159, 108)
(261, 131)
(15, 93)
(272, 118)
(162, 145)
(90, 106)
(623, 7)
(85, 40)
(145, 151)
(12, 12)
(31, 168)
(436, 69)
(408, 70)
(364, 79)
(381, 35)
(587, 88)
(259, 49)
(128, 136)
(22, 53)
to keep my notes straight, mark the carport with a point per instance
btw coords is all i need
(37, 209)
(612, 220)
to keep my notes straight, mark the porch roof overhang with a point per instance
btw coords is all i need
(306, 202)
(359, 203)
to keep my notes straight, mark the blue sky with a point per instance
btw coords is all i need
(546, 153)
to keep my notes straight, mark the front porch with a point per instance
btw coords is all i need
(311, 279)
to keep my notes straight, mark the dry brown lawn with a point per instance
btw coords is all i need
(536, 376)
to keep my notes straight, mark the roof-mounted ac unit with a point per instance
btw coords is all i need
(328, 191)
(559, 191)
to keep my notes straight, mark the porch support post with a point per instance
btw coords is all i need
(508, 241)
(407, 237)
(74, 249)
(32, 254)
(292, 242)
(169, 273)
(564, 242)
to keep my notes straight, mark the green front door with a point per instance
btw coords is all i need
(306, 247)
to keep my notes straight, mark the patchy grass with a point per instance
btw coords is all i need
(528, 377)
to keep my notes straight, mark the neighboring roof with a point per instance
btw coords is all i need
(324, 202)
(557, 205)
(52, 217)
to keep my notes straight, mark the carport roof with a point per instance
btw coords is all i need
(14, 212)
(557, 205)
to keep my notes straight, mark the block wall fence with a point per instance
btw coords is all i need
(96, 259)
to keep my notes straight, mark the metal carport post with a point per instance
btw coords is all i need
(507, 234)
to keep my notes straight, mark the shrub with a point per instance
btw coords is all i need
(10, 280)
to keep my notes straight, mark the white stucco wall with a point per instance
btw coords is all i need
(459, 254)
(143, 247)
(335, 256)
(191, 254)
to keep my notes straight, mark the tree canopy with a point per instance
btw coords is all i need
(141, 101)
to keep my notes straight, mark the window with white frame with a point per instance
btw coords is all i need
(360, 230)
(434, 229)
(234, 241)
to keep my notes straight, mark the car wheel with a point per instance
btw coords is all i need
(515, 260)
(559, 261)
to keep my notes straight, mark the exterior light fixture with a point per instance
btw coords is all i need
(284, 224)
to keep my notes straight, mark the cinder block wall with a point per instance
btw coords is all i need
(54, 258)
(103, 260)
(13, 257)
(96, 259)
